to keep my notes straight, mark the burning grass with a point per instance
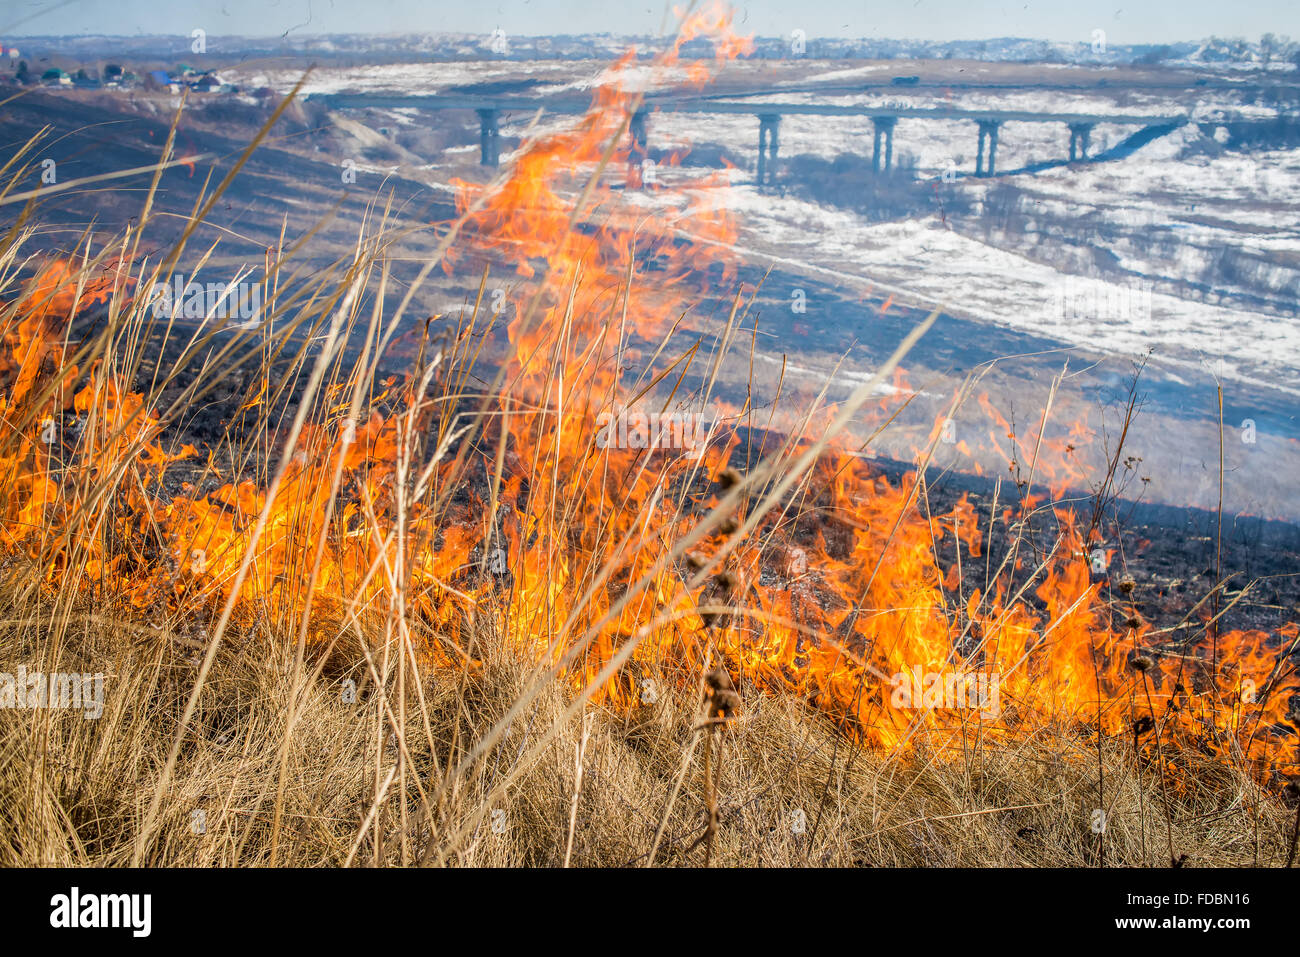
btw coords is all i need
(420, 620)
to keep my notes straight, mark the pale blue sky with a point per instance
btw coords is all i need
(1125, 21)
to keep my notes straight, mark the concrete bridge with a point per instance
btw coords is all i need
(883, 119)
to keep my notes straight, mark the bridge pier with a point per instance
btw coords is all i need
(1080, 134)
(883, 127)
(769, 141)
(639, 151)
(489, 138)
(989, 133)
(636, 129)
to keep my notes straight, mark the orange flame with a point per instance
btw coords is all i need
(841, 592)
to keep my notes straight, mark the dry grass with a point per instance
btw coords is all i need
(792, 791)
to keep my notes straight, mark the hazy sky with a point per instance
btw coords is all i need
(1125, 21)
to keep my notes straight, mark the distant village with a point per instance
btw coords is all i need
(112, 76)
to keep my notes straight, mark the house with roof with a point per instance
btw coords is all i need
(163, 79)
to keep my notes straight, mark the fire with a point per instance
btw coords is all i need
(837, 594)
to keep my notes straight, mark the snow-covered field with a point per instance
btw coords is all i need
(1167, 210)
(1246, 201)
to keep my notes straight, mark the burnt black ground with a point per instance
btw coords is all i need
(1175, 555)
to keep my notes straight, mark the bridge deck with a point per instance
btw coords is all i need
(700, 105)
